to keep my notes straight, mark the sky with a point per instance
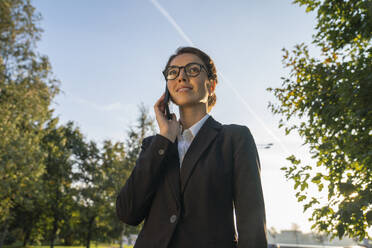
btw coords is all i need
(108, 56)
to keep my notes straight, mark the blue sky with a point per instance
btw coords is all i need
(109, 56)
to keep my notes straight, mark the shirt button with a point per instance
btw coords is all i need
(161, 151)
(173, 218)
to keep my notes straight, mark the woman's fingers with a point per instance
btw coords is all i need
(159, 105)
(168, 128)
(160, 100)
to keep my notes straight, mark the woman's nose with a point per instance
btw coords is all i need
(182, 76)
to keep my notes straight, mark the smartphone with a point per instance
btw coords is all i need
(166, 103)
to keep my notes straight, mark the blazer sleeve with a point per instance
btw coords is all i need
(247, 192)
(135, 198)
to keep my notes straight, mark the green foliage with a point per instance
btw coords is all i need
(26, 90)
(145, 126)
(341, 23)
(331, 96)
(55, 186)
(62, 145)
(101, 175)
(75, 201)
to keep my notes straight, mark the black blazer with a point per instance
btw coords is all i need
(192, 207)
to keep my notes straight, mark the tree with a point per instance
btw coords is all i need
(26, 90)
(60, 144)
(145, 127)
(102, 175)
(52, 206)
(330, 97)
(113, 158)
(91, 193)
(118, 162)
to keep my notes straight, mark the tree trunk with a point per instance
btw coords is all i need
(56, 216)
(54, 231)
(90, 226)
(68, 239)
(27, 236)
(4, 233)
(122, 236)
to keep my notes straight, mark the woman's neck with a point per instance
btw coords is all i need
(191, 115)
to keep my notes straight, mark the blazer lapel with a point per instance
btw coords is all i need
(173, 176)
(200, 143)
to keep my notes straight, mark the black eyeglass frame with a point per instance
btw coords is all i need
(184, 67)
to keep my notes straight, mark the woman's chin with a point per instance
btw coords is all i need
(183, 102)
(187, 101)
(189, 105)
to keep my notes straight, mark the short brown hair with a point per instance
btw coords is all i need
(211, 68)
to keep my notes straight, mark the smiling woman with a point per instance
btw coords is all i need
(203, 62)
(189, 178)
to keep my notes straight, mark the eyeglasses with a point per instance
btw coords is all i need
(191, 69)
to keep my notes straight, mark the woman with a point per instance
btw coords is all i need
(190, 176)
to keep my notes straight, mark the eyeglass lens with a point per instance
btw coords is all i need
(192, 70)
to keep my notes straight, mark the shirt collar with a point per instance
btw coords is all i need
(196, 127)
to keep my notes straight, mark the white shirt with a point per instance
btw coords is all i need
(186, 137)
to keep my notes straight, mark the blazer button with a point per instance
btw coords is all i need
(161, 151)
(173, 218)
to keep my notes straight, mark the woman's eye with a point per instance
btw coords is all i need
(172, 72)
(194, 69)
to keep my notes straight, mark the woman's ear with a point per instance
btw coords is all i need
(211, 86)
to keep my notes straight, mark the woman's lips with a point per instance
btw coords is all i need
(184, 89)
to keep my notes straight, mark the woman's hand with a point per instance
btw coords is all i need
(168, 128)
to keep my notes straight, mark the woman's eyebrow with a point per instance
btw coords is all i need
(184, 65)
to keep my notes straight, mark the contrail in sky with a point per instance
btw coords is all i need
(268, 130)
(240, 97)
(172, 22)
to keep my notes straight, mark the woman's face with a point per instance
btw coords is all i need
(189, 91)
